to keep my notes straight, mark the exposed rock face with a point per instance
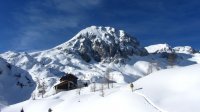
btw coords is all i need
(103, 43)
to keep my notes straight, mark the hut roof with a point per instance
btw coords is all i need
(68, 77)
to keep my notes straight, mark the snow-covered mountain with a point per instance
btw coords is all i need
(102, 43)
(160, 48)
(89, 54)
(185, 49)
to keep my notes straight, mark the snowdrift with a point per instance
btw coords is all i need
(174, 90)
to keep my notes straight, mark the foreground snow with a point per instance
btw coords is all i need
(171, 90)
(174, 90)
(119, 99)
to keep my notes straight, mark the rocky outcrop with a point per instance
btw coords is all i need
(103, 43)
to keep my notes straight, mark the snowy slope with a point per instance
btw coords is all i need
(173, 90)
(16, 85)
(118, 99)
(39, 73)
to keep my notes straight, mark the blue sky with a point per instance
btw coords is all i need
(31, 25)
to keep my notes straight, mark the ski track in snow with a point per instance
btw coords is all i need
(150, 102)
(147, 100)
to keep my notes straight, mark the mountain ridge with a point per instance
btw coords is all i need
(101, 43)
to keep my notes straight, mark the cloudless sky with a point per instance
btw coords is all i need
(31, 25)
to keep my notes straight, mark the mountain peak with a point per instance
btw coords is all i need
(159, 48)
(185, 49)
(100, 43)
(105, 33)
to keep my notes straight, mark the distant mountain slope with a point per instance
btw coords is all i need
(185, 49)
(160, 48)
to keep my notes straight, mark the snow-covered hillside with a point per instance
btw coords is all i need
(15, 84)
(119, 99)
(172, 90)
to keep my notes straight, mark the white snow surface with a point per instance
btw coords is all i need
(16, 84)
(118, 99)
(173, 90)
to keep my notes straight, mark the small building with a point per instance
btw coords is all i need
(67, 82)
